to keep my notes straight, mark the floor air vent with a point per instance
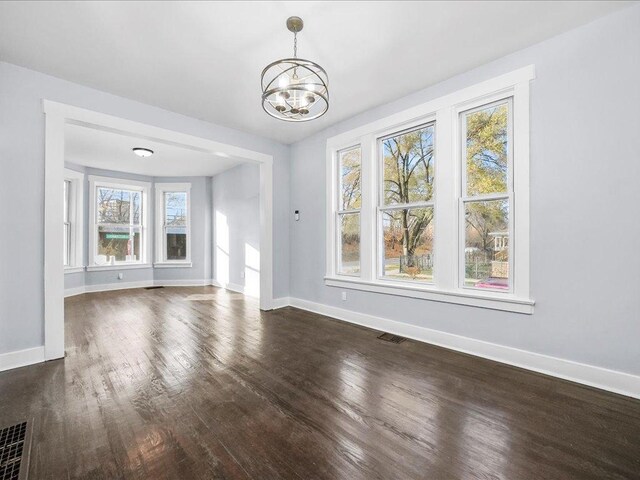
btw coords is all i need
(390, 337)
(14, 449)
(153, 288)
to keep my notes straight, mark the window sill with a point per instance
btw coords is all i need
(122, 266)
(73, 270)
(172, 265)
(504, 302)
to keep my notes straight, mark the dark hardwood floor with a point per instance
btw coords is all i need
(196, 382)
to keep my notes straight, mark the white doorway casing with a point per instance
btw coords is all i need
(56, 116)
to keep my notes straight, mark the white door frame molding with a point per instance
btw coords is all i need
(59, 114)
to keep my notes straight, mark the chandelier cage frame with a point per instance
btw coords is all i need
(295, 89)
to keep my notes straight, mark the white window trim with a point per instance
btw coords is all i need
(161, 261)
(76, 220)
(445, 110)
(145, 247)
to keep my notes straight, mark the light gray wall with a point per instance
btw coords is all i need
(585, 266)
(22, 184)
(236, 195)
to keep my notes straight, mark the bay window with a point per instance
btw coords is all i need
(433, 202)
(173, 214)
(118, 212)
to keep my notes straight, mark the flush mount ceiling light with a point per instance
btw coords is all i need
(142, 152)
(293, 89)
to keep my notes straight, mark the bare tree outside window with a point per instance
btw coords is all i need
(407, 212)
(175, 225)
(119, 228)
(350, 171)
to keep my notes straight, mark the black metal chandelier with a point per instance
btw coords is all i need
(293, 89)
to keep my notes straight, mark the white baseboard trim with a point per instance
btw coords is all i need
(234, 287)
(602, 378)
(181, 283)
(106, 287)
(281, 302)
(21, 358)
(71, 292)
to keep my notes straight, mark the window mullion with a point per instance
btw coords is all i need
(446, 205)
(487, 197)
(368, 209)
(406, 206)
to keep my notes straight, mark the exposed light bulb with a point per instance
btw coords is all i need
(283, 81)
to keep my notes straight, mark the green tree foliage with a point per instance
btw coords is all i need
(487, 150)
(487, 164)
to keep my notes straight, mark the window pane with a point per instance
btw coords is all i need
(67, 185)
(408, 244)
(67, 226)
(350, 174)
(121, 243)
(487, 149)
(114, 206)
(409, 166)
(176, 238)
(486, 249)
(350, 243)
(136, 198)
(175, 211)
(66, 244)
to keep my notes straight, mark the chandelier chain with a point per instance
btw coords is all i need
(295, 44)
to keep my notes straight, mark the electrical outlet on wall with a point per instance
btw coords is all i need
(242, 274)
(344, 296)
(120, 276)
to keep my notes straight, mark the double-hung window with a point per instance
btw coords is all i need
(487, 195)
(118, 236)
(406, 197)
(348, 215)
(173, 215)
(73, 202)
(433, 202)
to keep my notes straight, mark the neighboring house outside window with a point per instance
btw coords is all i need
(119, 217)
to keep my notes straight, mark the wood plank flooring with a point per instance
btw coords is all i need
(197, 383)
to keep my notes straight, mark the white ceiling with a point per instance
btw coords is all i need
(108, 150)
(204, 59)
